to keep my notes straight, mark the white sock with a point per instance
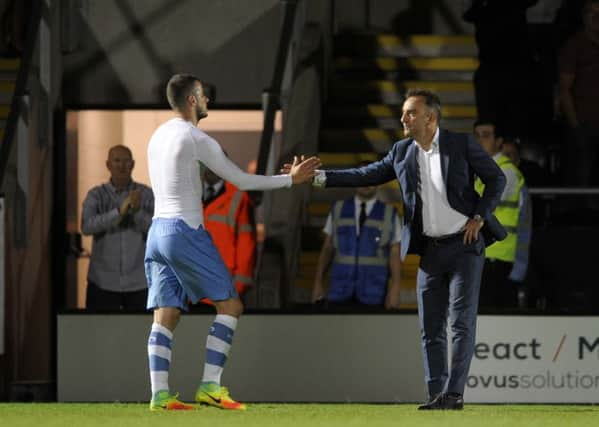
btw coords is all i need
(218, 345)
(159, 356)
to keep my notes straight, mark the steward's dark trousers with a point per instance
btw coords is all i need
(496, 290)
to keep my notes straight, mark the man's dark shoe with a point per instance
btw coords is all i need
(444, 401)
(432, 398)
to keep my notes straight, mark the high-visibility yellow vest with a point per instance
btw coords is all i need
(507, 213)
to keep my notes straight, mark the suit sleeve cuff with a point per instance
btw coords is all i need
(320, 179)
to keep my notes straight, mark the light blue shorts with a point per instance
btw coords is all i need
(183, 265)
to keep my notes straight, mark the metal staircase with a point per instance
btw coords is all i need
(361, 119)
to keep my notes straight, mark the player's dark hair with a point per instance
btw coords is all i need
(179, 87)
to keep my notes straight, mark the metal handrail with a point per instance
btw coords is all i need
(273, 93)
(35, 17)
(563, 191)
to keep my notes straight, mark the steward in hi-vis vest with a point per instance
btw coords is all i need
(507, 212)
(362, 237)
(361, 265)
(497, 289)
(229, 218)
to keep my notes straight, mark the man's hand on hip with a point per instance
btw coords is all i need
(472, 228)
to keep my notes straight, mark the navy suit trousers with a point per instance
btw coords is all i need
(448, 285)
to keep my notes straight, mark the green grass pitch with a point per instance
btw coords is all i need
(295, 415)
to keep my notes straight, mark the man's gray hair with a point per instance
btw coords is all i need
(431, 99)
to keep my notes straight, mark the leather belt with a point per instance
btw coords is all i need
(446, 239)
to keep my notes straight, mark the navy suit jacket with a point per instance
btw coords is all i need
(462, 159)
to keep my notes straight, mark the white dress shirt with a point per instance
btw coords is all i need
(438, 217)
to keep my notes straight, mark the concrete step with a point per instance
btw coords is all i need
(392, 93)
(4, 111)
(427, 45)
(358, 140)
(319, 208)
(384, 117)
(308, 260)
(391, 123)
(344, 160)
(7, 90)
(380, 141)
(382, 111)
(9, 68)
(432, 69)
(10, 64)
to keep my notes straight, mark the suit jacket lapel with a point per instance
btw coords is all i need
(411, 167)
(411, 179)
(444, 150)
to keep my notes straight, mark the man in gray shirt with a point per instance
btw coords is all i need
(118, 215)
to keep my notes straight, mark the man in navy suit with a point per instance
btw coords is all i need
(447, 224)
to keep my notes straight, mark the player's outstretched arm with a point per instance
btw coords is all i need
(303, 170)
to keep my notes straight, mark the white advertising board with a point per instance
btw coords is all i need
(533, 359)
(336, 358)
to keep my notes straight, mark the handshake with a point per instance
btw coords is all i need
(302, 169)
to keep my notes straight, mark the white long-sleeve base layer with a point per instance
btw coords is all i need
(176, 153)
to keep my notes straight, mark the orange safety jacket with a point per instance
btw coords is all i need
(229, 218)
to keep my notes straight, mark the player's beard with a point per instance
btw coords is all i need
(202, 114)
